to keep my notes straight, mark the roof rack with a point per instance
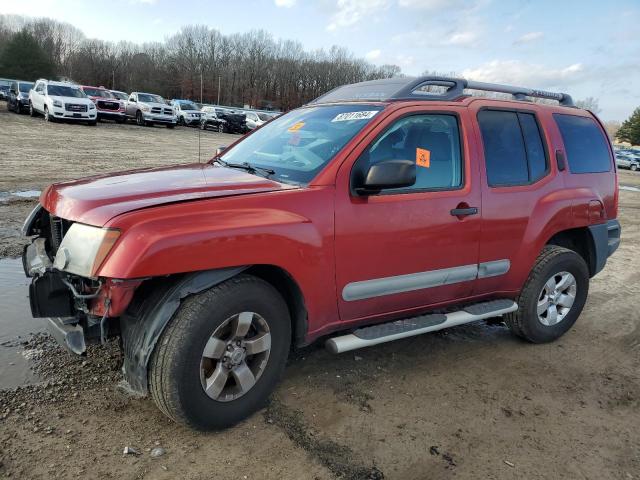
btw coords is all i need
(412, 88)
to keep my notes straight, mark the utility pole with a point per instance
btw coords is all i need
(219, 77)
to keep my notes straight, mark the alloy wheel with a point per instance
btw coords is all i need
(556, 298)
(235, 356)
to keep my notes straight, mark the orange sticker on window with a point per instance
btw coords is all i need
(295, 127)
(423, 157)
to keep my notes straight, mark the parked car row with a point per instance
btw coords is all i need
(628, 158)
(56, 100)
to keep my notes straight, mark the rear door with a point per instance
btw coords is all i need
(521, 193)
(406, 249)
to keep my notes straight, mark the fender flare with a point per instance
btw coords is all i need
(145, 320)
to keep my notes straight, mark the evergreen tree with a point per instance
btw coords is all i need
(23, 58)
(630, 129)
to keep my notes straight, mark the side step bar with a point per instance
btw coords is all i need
(386, 332)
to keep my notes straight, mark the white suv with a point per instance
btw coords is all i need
(61, 101)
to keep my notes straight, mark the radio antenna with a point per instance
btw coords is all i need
(199, 126)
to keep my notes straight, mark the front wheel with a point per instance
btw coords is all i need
(634, 167)
(32, 111)
(140, 119)
(47, 116)
(222, 354)
(553, 296)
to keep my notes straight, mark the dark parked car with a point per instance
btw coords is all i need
(18, 96)
(236, 122)
(4, 91)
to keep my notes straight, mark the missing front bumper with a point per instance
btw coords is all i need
(68, 335)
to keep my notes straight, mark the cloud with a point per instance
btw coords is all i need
(528, 38)
(461, 39)
(350, 12)
(285, 3)
(373, 55)
(432, 4)
(527, 74)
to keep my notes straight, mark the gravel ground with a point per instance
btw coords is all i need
(471, 402)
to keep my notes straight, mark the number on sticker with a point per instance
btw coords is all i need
(364, 115)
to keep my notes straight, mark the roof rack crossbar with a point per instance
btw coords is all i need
(401, 88)
(520, 92)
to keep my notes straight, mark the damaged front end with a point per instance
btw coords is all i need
(62, 260)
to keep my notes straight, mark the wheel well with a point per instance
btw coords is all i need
(580, 241)
(290, 291)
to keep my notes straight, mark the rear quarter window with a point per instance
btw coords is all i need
(585, 145)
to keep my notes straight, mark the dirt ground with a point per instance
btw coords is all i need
(467, 403)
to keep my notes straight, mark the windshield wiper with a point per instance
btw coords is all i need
(246, 166)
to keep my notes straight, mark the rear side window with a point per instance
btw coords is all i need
(586, 148)
(513, 148)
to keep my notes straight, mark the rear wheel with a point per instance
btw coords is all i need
(553, 296)
(222, 354)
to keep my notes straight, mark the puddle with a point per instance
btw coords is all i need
(629, 188)
(16, 324)
(21, 194)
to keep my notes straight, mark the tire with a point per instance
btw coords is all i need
(18, 109)
(203, 126)
(551, 266)
(47, 116)
(178, 370)
(634, 168)
(181, 121)
(139, 119)
(32, 110)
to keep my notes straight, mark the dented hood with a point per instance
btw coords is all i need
(96, 200)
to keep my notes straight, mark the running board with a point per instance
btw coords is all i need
(386, 332)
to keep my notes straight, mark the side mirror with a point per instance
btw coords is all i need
(386, 175)
(221, 149)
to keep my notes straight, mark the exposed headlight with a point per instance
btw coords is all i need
(84, 248)
(57, 103)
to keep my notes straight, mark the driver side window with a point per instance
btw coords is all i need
(431, 141)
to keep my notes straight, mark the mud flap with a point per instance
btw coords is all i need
(147, 317)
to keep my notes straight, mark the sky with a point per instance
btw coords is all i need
(588, 48)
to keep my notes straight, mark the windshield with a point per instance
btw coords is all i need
(97, 92)
(119, 95)
(264, 117)
(4, 87)
(188, 106)
(147, 97)
(64, 91)
(299, 144)
(25, 87)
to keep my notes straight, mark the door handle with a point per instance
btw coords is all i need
(464, 212)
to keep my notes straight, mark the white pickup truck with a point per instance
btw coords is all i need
(148, 109)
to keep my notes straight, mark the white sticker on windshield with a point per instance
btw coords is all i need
(365, 115)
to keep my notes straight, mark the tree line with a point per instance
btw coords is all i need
(239, 69)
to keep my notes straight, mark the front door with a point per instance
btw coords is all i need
(410, 248)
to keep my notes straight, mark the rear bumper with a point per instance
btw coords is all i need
(606, 240)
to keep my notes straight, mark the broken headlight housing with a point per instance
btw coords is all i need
(84, 248)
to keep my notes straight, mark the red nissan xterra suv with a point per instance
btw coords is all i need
(381, 210)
